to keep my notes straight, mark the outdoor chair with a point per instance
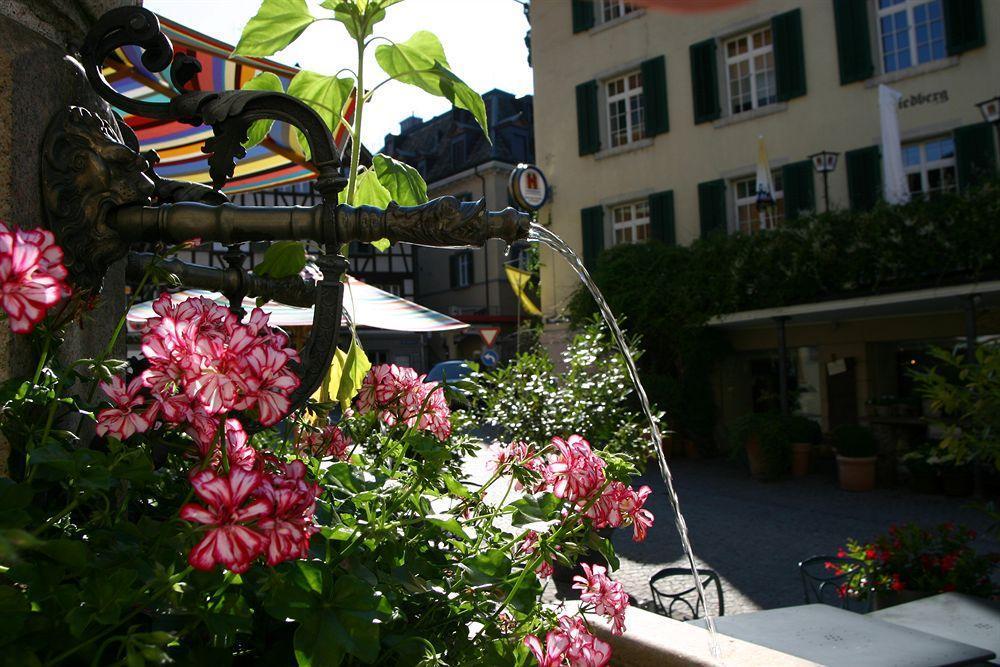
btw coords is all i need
(675, 595)
(825, 585)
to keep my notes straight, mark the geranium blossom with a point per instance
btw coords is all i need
(569, 643)
(621, 505)
(528, 546)
(126, 418)
(576, 470)
(330, 442)
(32, 276)
(290, 524)
(399, 396)
(230, 540)
(607, 598)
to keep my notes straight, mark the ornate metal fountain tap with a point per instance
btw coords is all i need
(101, 194)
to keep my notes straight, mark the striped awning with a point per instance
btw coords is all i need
(368, 306)
(277, 161)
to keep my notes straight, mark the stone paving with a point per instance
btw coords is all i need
(754, 534)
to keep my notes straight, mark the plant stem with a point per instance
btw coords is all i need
(356, 134)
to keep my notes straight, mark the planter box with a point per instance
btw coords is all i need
(856, 474)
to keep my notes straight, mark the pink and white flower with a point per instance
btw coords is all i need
(32, 276)
(398, 395)
(569, 643)
(606, 597)
(331, 442)
(126, 418)
(576, 470)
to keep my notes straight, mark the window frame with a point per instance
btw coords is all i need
(754, 227)
(463, 269)
(909, 7)
(623, 7)
(925, 167)
(634, 223)
(627, 96)
(750, 57)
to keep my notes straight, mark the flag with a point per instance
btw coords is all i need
(895, 188)
(765, 184)
(518, 281)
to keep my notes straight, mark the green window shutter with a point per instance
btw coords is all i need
(789, 57)
(654, 92)
(583, 15)
(661, 217)
(854, 50)
(975, 157)
(799, 190)
(963, 25)
(587, 123)
(593, 235)
(864, 177)
(453, 270)
(712, 207)
(705, 82)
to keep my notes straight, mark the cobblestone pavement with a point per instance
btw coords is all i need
(754, 534)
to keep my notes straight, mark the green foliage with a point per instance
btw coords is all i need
(282, 260)
(772, 434)
(276, 24)
(803, 429)
(529, 400)
(259, 129)
(854, 441)
(369, 192)
(668, 293)
(405, 184)
(966, 396)
(327, 95)
(359, 16)
(420, 62)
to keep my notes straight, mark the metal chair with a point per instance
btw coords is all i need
(670, 600)
(824, 579)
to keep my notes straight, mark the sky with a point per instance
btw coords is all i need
(483, 40)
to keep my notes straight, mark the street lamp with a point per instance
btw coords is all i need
(991, 112)
(825, 162)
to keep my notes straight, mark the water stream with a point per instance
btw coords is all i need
(543, 235)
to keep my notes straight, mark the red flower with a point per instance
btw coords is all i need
(32, 276)
(125, 419)
(230, 541)
(870, 554)
(897, 583)
(290, 525)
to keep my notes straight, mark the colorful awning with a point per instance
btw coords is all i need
(368, 306)
(277, 161)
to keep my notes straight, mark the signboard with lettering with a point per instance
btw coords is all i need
(528, 187)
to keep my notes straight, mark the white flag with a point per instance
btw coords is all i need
(894, 186)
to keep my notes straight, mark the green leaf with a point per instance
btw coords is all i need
(450, 523)
(358, 16)
(327, 95)
(604, 547)
(356, 367)
(330, 387)
(282, 260)
(543, 507)
(277, 24)
(405, 184)
(314, 641)
(367, 191)
(381, 245)
(455, 487)
(258, 131)
(487, 567)
(420, 62)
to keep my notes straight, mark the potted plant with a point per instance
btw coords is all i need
(804, 434)
(857, 451)
(924, 467)
(765, 441)
(911, 562)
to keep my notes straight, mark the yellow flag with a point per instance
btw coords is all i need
(518, 281)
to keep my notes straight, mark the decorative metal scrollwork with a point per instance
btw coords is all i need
(102, 194)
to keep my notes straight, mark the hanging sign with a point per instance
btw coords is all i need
(528, 187)
(489, 335)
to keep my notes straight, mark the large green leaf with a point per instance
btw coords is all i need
(325, 94)
(315, 644)
(277, 24)
(405, 184)
(420, 61)
(368, 191)
(259, 129)
(282, 259)
(330, 387)
(356, 367)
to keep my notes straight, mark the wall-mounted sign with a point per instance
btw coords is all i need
(917, 99)
(528, 187)
(489, 335)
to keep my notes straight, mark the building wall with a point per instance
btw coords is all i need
(830, 116)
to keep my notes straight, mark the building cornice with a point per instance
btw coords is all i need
(492, 165)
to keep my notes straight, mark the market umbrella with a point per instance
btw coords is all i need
(367, 305)
(276, 161)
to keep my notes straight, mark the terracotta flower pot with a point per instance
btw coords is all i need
(800, 458)
(856, 474)
(755, 456)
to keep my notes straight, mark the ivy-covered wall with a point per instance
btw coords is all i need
(667, 293)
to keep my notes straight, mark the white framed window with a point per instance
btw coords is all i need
(614, 9)
(630, 222)
(751, 218)
(930, 166)
(463, 269)
(750, 71)
(911, 32)
(626, 109)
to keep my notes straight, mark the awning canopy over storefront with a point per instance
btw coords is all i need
(894, 304)
(276, 161)
(368, 306)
